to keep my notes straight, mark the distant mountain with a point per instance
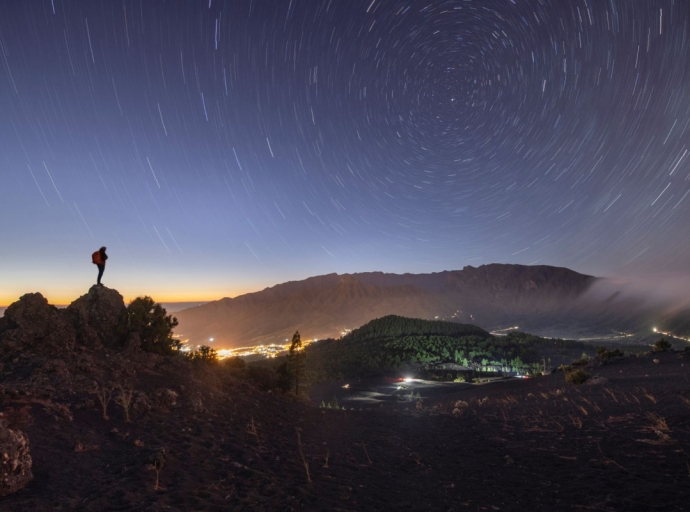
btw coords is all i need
(174, 307)
(544, 300)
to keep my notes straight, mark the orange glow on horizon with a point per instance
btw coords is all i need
(129, 296)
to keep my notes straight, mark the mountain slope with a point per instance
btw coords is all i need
(493, 296)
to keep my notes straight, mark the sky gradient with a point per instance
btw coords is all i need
(220, 147)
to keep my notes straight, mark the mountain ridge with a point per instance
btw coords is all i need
(493, 296)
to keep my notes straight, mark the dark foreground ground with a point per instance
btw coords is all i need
(536, 444)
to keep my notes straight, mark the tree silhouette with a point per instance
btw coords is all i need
(296, 360)
(661, 345)
(153, 324)
(205, 354)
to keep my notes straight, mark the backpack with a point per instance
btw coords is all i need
(96, 258)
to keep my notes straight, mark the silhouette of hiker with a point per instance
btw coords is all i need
(98, 259)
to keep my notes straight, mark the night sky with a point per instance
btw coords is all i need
(217, 147)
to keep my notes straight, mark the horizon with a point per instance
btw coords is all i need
(218, 149)
(658, 286)
(131, 296)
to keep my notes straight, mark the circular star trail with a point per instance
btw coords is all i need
(217, 147)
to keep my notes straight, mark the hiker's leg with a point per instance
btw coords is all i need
(101, 268)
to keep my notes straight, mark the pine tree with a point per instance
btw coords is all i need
(296, 360)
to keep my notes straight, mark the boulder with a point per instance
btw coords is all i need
(15, 460)
(32, 323)
(196, 403)
(597, 379)
(165, 398)
(97, 315)
(141, 403)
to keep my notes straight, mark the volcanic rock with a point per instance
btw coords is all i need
(165, 398)
(32, 323)
(15, 460)
(141, 403)
(97, 315)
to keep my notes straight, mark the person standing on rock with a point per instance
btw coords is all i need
(98, 259)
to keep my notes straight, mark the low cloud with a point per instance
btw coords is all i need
(665, 291)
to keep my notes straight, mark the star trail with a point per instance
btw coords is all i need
(219, 147)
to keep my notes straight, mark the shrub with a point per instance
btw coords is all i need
(661, 346)
(296, 361)
(235, 363)
(576, 377)
(124, 400)
(205, 354)
(580, 362)
(154, 327)
(263, 378)
(269, 378)
(606, 355)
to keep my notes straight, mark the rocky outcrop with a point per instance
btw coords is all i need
(92, 320)
(52, 360)
(46, 348)
(97, 315)
(31, 323)
(15, 460)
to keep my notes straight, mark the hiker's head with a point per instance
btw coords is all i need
(103, 249)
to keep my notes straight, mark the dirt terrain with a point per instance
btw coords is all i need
(536, 444)
(619, 442)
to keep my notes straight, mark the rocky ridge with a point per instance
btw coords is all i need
(64, 360)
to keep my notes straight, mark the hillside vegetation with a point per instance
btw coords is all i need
(396, 326)
(392, 343)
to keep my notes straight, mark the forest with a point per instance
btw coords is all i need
(394, 344)
(393, 326)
